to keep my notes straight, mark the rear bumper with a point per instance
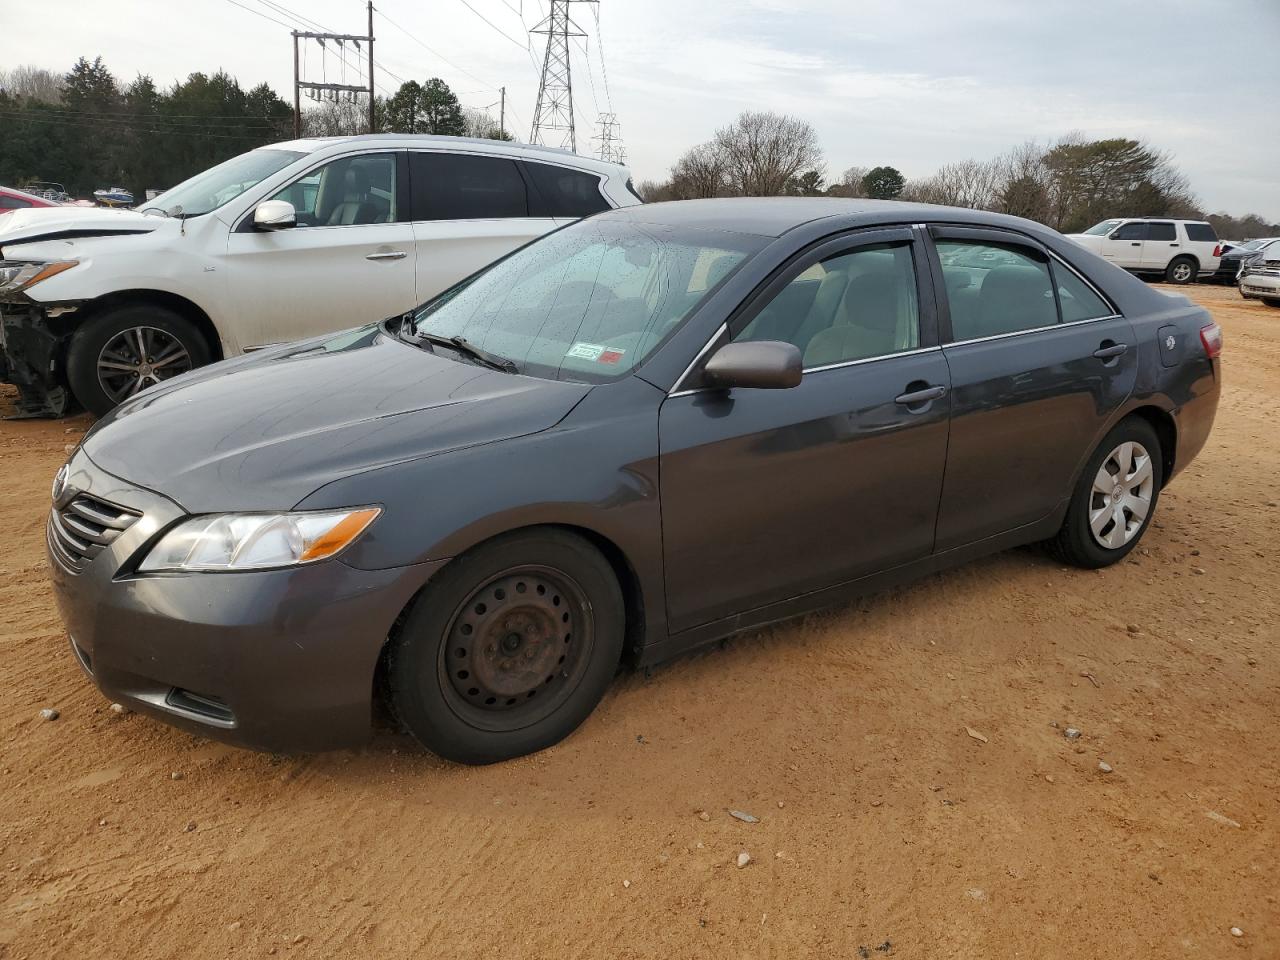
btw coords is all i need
(279, 660)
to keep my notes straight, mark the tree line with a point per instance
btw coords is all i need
(1069, 184)
(86, 129)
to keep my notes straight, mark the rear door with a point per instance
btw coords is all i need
(768, 494)
(1161, 245)
(1124, 245)
(1039, 362)
(468, 210)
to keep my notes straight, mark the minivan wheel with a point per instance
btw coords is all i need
(121, 352)
(1180, 270)
(509, 648)
(1114, 500)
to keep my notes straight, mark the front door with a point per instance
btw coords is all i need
(769, 494)
(1125, 245)
(350, 260)
(1039, 363)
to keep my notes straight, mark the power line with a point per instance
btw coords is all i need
(493, 25)
(433, 52)
(600, 53)
(259, 13)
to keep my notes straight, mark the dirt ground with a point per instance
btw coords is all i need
(885, 828)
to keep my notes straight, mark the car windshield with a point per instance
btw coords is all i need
(1102, 229)
(1251, 244)
(588, 302)
(221, 184)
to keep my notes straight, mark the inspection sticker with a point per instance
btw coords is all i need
(586, 351)
(611, 355)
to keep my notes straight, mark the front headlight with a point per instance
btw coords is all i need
(17, 275)
(253, 541)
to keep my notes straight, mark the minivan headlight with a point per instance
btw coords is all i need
(16, 275)
(254, 541)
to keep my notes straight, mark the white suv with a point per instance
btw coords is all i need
(284, 242)
(1180, 250)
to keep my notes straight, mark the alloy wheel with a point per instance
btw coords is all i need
(1121, 496)
(137, 358)
(1182, 272)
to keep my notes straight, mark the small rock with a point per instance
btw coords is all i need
(1198, 571)
(176, 775)
(744, 817)
(626, 884)
(1104, 767)
(69, 430)
(743, 859)
(876, 803)
(49, 713)
(1237, 932)
(781, 804)
(704, 816)
(975, 734)
(119, 709)
(975, 893)
(190, 827)
(69, 448)
(1134, 628)
(233, 926)
(1071, 733)
(299, 938)
(1048, 778)
(1195, 553)
(102, 823)
(1216, 817)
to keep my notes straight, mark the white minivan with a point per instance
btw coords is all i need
(1179, 250)
(284, 242)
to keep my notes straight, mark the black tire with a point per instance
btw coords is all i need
(466, 670)
(1271, 301)
(1075, 543)
(95, 334)
(1174, 274)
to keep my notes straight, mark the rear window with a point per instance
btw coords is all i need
(454, 186)
(1202, 232)
(561, 192)
(1161, 231)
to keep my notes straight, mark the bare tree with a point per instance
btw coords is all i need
(762, 151)
(480, 123)
(968, 183)
(35, 84)
(700, 172)
(339, 119)
(850, 184)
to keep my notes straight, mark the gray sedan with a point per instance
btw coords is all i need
(630, 438)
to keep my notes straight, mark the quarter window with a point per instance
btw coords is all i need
(1131, 231)
(1077, 299)
(854, 306)
(561, 192)
(455, 186)
(994, 289)
(1201, 233)
(348, 191)
(1161, 231)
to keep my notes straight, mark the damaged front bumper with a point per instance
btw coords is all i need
(32, 355)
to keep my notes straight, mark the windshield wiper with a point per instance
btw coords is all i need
(467, 348)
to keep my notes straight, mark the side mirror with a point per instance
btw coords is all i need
(762, 365)
(274, 215)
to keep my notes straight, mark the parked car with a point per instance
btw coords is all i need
(654, 428)
(1234, 256)
(11, 199)
(1178, 250)
(1260, 275)
(283, 242)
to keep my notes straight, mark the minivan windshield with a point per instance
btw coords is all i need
(1103, 228)
(588, 302)
(221, 184)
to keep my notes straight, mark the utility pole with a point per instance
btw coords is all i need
(315, 90)
(553, 123)
(502, 110)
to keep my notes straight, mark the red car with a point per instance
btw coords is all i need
(11, 199)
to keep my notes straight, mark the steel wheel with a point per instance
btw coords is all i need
(137, 358)
(516, 647)
(1121, 495)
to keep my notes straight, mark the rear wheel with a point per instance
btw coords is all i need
(1115, 499)
(121, 352)
(509, 649)
(1181, 270)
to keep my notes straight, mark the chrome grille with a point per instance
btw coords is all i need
(82, 528)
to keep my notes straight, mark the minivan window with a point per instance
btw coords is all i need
(591, 301)
(454, 186)
(1101, 229)
(221, 184)
(1131, 231)
(561, 192)
(993, 289)
(1201, 233)
(1161, 231)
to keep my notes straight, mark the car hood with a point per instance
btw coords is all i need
(38, 224)
(1085, 239)
(262, 432)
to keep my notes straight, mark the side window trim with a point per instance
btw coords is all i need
(245, 223)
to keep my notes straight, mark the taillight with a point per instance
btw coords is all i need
(1211, 337)
(1217, 251)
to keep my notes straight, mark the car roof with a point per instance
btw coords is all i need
(774, 216)
(476, 144)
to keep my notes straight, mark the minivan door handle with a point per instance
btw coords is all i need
(391, 255)
(924, 395)
(1109, 350)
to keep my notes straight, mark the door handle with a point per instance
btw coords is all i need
(393, 255)
(1136, 243)
(1175, 244)
(916, 397)
(1105, 352)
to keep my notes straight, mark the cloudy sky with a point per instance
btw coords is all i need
(912, 84)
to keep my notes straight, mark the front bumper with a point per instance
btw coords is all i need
(32, 346)
(1255, 285)
(279, 660)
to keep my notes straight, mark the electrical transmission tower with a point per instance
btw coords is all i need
(611, 149)
(553, 116)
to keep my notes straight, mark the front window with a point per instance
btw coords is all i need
(591, 301)
(345, 192)
(1102, 229)
(221, 184)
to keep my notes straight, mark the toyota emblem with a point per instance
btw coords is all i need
(59, 483)
(1170, 342)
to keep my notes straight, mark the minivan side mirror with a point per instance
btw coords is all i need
(762, 365)
(274, 215)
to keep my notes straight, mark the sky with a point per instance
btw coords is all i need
(910, 84)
